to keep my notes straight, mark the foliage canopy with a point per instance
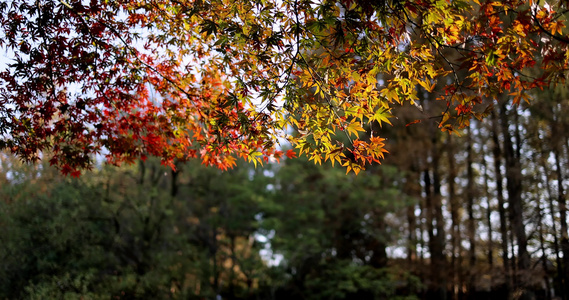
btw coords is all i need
(220, 79)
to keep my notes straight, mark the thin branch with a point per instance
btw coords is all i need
(555, 37)
(132, 50)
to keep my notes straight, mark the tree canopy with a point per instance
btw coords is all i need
(219, 79)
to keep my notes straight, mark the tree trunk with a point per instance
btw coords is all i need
(435, 224)
(560, 278)
(562, 214)
(455, 219)
(412, 188)
(470, 200)
(471, 224)
(497, 153)
(440, 236)
(488, 216)
(543, 253)
(515, 207)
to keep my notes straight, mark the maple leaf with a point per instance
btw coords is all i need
(290, 153)
(381, 116)
(354, 128)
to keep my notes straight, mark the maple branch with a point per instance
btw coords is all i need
(132, 50)
(94, 38)
(294, 61)
(288, 73)
(67, 5)
(555, 37)
(326, 94)
(455, 47)
(430, 39)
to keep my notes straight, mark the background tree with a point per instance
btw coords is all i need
(121, 233)
(341, 251)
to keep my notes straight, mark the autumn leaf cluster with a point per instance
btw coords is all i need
(220, 79)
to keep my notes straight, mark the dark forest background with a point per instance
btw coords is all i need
(482, 215)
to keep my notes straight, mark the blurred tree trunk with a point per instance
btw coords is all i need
(471, 225)
(543, 253)
(497, 153)
(560, 278)
(515, 204)
(456, 251)
(439, 256)
(557, 148)
(435, 223)
(488, 215)
(413, 189)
